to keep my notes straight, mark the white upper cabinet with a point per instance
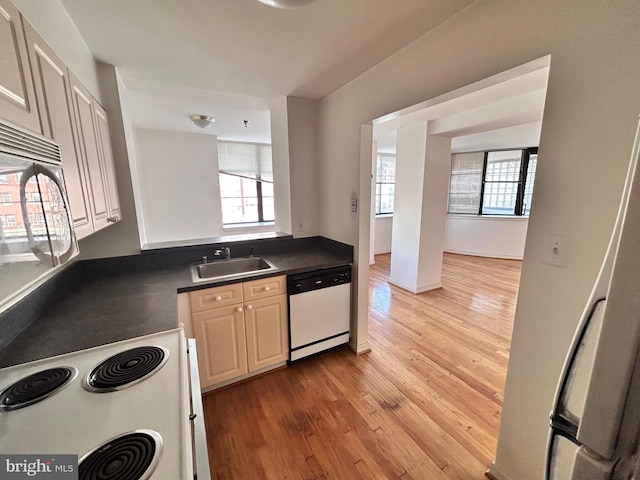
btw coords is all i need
(38, 92)
(106, 153)
(17, 99)
(53, 93)
(89, 150)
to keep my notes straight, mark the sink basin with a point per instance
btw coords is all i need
(231, 267)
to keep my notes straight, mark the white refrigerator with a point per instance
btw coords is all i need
(595, 419)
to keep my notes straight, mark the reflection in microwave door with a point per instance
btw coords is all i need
(59, 243)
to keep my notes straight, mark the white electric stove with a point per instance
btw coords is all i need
(125, 405)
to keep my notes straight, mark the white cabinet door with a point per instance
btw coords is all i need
(17, 98)
(53, 93)
(89, 151)
(104, 143)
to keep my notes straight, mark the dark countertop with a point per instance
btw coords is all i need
(95, 302)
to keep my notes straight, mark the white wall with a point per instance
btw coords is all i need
(469, 235)
(486, 236)
(382, 239)
(178, 185)
(590, 116)
(302, 115)
(280, 159)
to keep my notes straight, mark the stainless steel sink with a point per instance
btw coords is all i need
(231, 267)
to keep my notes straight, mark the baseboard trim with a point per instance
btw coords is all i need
(495, 474)
(408, 288)
(484, 254)
(361, 348)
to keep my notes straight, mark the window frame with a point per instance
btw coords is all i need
(259, 191)
(519, 208)
(377, 182)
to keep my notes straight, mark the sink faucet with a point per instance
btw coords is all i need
(224, 252)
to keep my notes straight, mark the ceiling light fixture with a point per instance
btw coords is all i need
(287, 3)
(203, 121)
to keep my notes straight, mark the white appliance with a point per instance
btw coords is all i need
(120, 405)
(595, 421)
(36, 228)
(319, 310)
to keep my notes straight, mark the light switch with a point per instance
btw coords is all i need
(555, 250)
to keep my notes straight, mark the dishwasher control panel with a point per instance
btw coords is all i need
(306, 282)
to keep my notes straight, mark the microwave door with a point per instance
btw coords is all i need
(62, 241)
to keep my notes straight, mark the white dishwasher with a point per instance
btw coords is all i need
(319, 310)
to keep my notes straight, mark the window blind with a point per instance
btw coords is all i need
(466, 182)
(247, 160)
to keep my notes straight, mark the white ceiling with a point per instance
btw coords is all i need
(203, 56)
(501, 111)
(232, 58)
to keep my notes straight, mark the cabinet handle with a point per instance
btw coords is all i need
(113, 219)
(239, 309)
(266, 289)
(249, 307)
(218, 298)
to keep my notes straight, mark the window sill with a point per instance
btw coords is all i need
(234, 226)
(471, 216)
(254, 227)
(384, 215)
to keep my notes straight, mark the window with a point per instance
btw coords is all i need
(498, 182)
(39, 219)
(385, 183)
(5, 197)
(10, 220)
(35, 196)
(246, 183)
(3, 179)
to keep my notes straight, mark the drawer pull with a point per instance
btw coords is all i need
(266, 289)
(249, 307)
(239, 309)
(218, 298)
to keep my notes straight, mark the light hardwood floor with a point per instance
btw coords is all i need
(424, 404)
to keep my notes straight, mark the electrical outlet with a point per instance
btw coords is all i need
(300, 225)
(555, 250)
(354, 203)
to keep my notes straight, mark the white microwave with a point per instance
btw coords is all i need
(36, 226)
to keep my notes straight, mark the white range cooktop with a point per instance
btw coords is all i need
(76, 421)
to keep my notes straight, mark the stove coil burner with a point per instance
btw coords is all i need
(35, 387)
(125, 369)
(132, 456)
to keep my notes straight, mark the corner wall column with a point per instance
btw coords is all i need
(423, 164)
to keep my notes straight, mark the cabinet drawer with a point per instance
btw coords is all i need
(265, 287)
(215, 297)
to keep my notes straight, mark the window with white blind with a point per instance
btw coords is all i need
(497, 182)
(466, 182)
(246, 183)
(385, 183)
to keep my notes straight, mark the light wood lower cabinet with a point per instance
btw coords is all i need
(220, 339)
(240, 329)
(267, 332)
